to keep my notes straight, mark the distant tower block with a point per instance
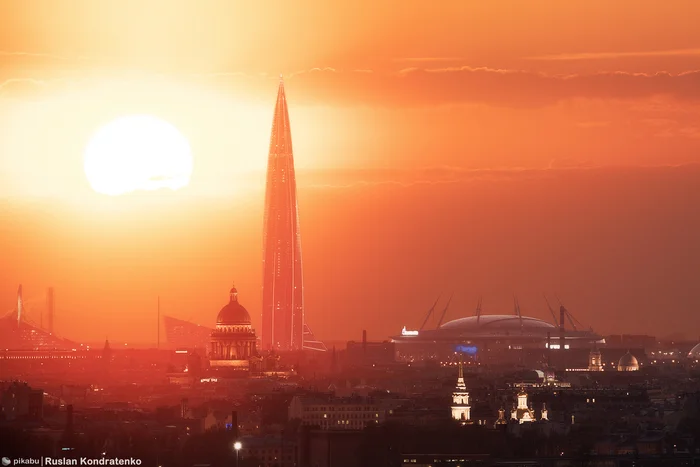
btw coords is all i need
(460, 399)
(50, 307)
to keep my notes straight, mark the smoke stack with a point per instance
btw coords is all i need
(50, 307)
(562, 312)
(234, 424)
(364, 341)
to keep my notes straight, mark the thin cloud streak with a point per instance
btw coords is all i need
(8, 84)
(428, 59)
(616, 55)
(425, 87)
(418, 87)
(40, 55)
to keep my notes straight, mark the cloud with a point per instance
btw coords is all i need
(33, 88)
(40, 56)
(421, 87)
(428, 59)
(511, 88)
(616, 55)
(21, 87)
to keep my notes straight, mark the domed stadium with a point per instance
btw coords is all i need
(498, 324)
(480, 332)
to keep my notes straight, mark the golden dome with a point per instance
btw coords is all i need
(628, 362)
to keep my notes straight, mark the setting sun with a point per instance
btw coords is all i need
(138, 152)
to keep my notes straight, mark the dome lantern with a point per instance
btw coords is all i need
(233, 314)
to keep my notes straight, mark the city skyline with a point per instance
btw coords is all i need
(481, 149)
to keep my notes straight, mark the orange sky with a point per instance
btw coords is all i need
(481, 147)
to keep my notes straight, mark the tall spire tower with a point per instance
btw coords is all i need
(283, 299)
(460, 398)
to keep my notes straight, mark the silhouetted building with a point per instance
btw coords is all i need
(630, 341)
(336, 413)
(182, 334)
(21, 403)
(233, 341)
(369, 353)
(269, 451)
(19, 332)
(326, 448)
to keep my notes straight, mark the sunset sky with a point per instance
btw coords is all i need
(485, 148)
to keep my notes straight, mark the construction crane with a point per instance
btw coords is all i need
(442, 316)
(478, 310)
(430, 312)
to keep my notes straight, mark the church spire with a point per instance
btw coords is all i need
(460, 376)
(460, 398)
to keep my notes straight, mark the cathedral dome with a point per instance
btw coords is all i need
(628, 362)
(233, 313)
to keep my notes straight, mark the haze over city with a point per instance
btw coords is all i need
(436, 152)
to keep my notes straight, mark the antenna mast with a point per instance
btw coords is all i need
(158, 321)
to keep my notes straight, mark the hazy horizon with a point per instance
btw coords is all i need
(516, 232)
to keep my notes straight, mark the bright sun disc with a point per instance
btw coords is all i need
(137, 152)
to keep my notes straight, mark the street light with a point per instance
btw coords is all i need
(237, 447)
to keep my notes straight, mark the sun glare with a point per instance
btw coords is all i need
(137, 152)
